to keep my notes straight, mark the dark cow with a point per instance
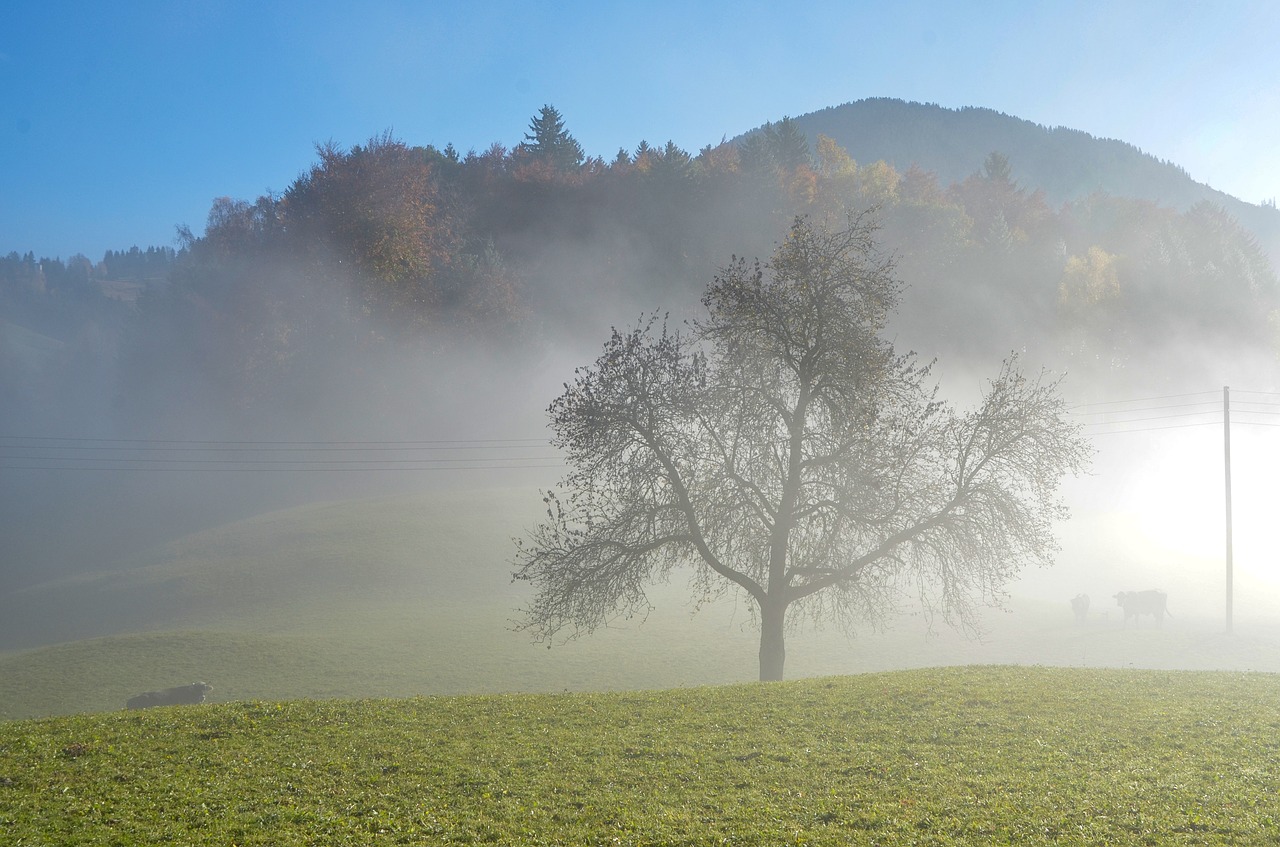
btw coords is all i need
(1080, 606)
(1137, 603)
(176, 696)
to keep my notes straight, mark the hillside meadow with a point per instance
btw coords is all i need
(972, 755)
(411, 595)
(370, 688)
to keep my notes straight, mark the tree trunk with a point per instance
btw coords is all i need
(773, 648)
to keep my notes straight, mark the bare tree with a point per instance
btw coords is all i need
(781, 446)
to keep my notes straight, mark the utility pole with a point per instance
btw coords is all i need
(1226, 443)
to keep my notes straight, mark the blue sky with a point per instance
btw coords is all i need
(121, 121)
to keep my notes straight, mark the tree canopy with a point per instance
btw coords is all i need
(782, 447)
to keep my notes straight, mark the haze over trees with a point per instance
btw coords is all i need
(389, 264)
(388, 245)
(786, 449)
(1066, 164)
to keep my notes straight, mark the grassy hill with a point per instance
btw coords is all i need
(26, 349)
(977, 755)
(288, 571)
(411, 595)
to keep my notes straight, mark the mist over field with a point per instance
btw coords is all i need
(296, 374)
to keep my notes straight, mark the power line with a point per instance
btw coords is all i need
(392, 458)
(1097, 427)
(1145, 400)
(1121, 418)
(70, 453)
(477, 442)
(1148, 408)
(156, 455)
(1154, 428)
(227, 449)
(188, 461)
(1154, 418)
(1260, 393)
(1236, 408)
(280, 470)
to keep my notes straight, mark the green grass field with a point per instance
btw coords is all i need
(973, 755)
(369, 689)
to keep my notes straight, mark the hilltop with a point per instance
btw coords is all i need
(1066, 164)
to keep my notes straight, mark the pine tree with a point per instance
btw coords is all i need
(790, 147)
(780, 146)
(549, 141)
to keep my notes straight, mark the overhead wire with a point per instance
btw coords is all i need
(1153, 418)
(127, 469)
(267, 444)
(1143, 400)
(187, 455)
(1118, 421)
(52, 453)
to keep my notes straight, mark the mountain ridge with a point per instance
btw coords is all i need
(1067, 164)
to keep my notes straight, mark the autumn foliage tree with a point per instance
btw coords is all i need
(783, 448)
(373, 215)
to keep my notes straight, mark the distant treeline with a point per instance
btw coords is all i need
(386, 248)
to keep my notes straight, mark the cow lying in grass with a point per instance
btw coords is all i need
(176, 696)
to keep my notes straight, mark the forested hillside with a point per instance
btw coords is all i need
(1066, 164)
(402, 291)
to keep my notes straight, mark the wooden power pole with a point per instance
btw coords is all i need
(1226, 444)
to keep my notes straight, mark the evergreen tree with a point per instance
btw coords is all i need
(672, 163)
(780, 146)
(996, 168)
(790, 147)
(754, 153)
(549, 141)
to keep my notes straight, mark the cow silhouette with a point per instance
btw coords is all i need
(176, 696)
(1150, 602)
(1080, 606)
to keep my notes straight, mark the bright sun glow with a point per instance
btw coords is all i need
(1175, 493)
(1177, 497)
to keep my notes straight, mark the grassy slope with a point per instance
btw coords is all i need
(31, 349)
(412, 595)
(974, 755)
(281, 571)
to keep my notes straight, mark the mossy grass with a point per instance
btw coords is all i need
(969, 755)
